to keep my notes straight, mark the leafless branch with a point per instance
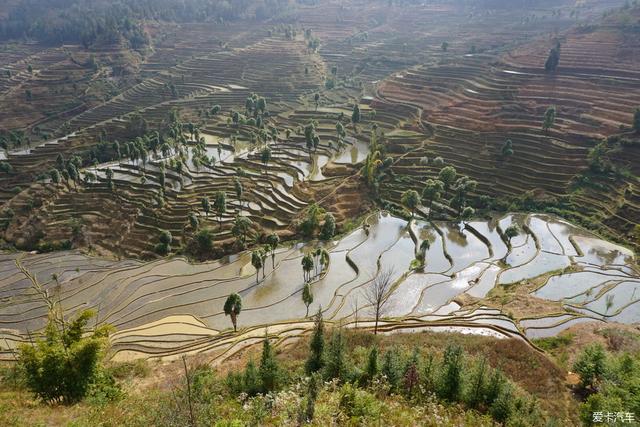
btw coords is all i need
(377, 294)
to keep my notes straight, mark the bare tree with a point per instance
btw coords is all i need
(187, 376)
(377, 294)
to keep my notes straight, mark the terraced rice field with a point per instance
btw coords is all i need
(459, 103)
(477, 102)
(433, 79)
(273, 196)
(169, 307)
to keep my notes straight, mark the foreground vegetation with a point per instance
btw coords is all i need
(335, 377)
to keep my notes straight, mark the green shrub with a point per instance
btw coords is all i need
(502, 407)
(104, 389)
(618, 387)
(161, 249)
(127, 370)
(553, 343)
(328, 228)
(357, 403)
(64, 365)
(590, 365)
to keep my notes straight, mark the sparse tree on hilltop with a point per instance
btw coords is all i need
(329, 227)
(265, 156)
(5, 167)
(511, 232)
(324, 258)
(165, 239)
(261, 105)
(55, 176)
(237, 185)
(193, 221)
(467, 213)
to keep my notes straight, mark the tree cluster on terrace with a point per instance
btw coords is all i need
(64, 170)
(317, 221)
(256, 114)
(15, 138)
(604, 164)
(167, 140)
(377, 162)
(447, 183)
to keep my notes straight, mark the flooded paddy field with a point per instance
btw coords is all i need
(171, 306)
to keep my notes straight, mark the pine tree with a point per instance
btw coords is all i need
(429, 374)
(251, 379)
(312, 395)
(372, 370)
(269, 370)
(478, 384)
(391, 368)
(502, 407)
(451, 381)
(315, 362)
(336, 366)
(494, 388)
